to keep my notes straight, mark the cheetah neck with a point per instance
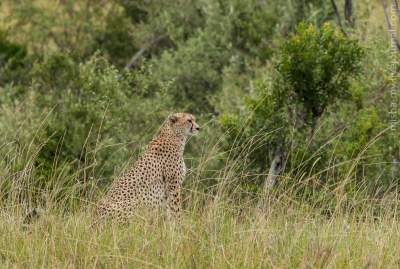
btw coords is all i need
(172, 137)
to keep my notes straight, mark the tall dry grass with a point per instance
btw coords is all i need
(224, 226)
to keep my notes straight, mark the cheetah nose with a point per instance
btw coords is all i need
(197, 128)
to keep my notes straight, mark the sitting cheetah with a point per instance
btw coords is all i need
(155, 179)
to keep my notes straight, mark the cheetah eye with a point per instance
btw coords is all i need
(190, 121)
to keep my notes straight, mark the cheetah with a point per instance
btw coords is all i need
(155, 180)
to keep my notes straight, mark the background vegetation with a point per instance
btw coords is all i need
(297, 163)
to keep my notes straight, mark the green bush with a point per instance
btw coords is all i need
(195, 69)
(13, 59)
(70, 114)
(83, 121)
(312, 72)
(316, 67)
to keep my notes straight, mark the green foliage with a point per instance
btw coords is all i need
(90, 110)
(319, 11)
(195, 69)
(116, 40)
(317, 65)
(313, 70)
(10, 51)
(83, 120)
(253, 25)
(12, 60)
(71, 112)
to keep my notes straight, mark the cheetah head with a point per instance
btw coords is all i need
(184, 123)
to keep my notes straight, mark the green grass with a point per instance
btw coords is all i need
(217, 236)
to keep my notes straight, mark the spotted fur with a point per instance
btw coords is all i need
(155, 179)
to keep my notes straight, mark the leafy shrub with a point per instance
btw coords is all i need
(316, 67)
(69, 112)
(84, 121)
(313, 70)
(195, 68)
(12, 60)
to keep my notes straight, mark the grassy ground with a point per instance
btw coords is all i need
(223, 226)
(219, 235)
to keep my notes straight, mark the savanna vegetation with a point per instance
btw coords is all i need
(297, 162)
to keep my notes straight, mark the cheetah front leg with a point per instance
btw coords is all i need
(174, 202)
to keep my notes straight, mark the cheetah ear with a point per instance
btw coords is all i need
(173, 118)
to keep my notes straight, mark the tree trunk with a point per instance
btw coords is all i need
(348, 12)
(394, 169)
(339, 20)
(274, 170)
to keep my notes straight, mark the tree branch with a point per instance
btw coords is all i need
(135, 58)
